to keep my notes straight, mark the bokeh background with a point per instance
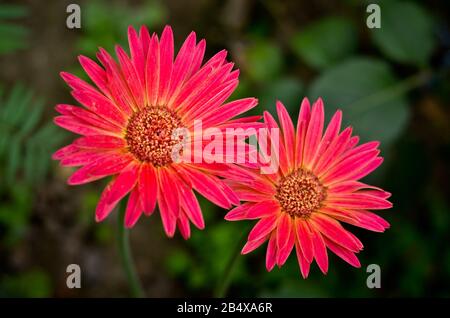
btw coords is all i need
(393, 85)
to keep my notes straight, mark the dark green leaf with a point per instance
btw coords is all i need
(325, 42)
(406, 33)
(366, 90)
(263, 60)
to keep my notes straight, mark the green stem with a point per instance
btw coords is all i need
(225, 281)
(127, 259)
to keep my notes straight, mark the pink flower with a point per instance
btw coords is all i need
(128, 120)
(315, 187)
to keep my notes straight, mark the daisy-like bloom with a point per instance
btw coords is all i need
(315, 188)
(129, 119)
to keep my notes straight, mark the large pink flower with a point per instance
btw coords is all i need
(315, 187)
(128, 120)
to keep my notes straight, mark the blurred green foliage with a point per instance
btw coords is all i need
(407, 34)
(325, 42)
(25, 143)
(366, 91)
(34, 283)
(13, 36)
(105, 24)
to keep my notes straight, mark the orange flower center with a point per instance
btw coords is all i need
(149, 134)
(300, 193)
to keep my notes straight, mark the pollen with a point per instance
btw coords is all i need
(300, 193)
(149, 134)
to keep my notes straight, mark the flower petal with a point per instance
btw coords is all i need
(134, 208)
(288, 133)
(148, 188)
(263, 227)
(343, 253)
(334, 231)
(314, 133)
(115, 191)
(304, 239)
(271, 254)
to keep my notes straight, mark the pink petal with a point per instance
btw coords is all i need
(334, 231)
(302, 262)
(337, 146)
(134, 208)
(283, 229)
(277, 151)
(131, 77)
(144, 37)
(347, 167)
(229, 111)
(182, 66)
(167, 184)
(343, 253)
(314, 132)
(285, 247)
(360, 218)
(148, 187)
(96, 73)
(101, 106)
(271, 255)
(166, 55)
(304, 238)
(263, 227)
(184, 226)
(100, 168)
(115, 191)
(100, 141)
(331, 133)
(169, 220)
(190, 204)
(118, 87)
(95, 120)
(302, 126)
(77, 126)
(250, 246)
(207, 185)
(84, 157)
(358, 200)
(137, 52)
(320, 250)
(153, 71)
(64, 152)
(263, 209)
(288, 132)
(239, 213)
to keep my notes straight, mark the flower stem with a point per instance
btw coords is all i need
(127, 259)
(224, 283)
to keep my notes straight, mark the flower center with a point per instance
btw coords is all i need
(149, 134)
(300, 193)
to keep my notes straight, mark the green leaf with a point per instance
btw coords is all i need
(12, 11)
(406, 33)
(264, 60)
(368, 93)
(12, 35)
(25, 144)
(325, 42)
(35, 284)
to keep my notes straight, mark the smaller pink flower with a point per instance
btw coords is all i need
(316, 188)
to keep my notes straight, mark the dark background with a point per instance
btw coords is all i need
(392, 84)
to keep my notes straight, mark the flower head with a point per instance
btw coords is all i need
(316, 188)
(129, 121)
